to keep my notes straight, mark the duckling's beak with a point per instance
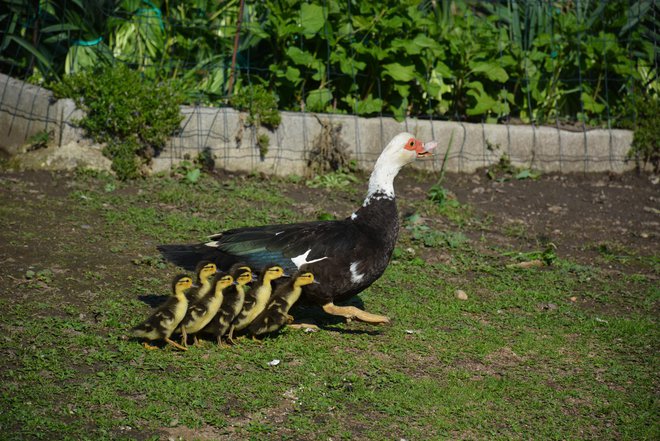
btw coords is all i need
(285, 275)
(315, 282)
(426, 149)
(254, 278)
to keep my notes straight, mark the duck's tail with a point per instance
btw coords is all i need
(188, 256)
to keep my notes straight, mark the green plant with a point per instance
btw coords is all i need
(39, 140)
(645, 147)
(132, 114)
(337, 179)
(259, 103)
(263, 141)
(437, 193)
(504, 170)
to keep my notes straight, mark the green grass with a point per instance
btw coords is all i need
(500, 365)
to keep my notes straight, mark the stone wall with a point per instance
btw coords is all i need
(26, 110)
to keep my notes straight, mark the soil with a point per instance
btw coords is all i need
(591, 218)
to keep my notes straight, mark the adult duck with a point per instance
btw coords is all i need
(346, 256)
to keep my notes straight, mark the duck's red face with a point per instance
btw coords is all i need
(418, 147)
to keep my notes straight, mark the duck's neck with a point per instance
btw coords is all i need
(381, 181)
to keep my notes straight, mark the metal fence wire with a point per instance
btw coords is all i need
(560, 67)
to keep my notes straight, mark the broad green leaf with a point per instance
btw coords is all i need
(492, 71)
(590, 104)
(399, 72)
(317, 100)
(299, 56)
(292, 74)
(312, 18)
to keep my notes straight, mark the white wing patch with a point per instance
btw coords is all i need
(212, 244)
(353, 216)
(355, 276)
(301, 260)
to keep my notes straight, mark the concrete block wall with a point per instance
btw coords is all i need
(26, 110)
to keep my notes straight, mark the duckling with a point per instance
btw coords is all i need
(256, 299)
(164, 321)
(277, 311)
(205, 270)
(233, 303)
(200, 313)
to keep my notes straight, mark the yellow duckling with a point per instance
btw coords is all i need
(233, 303)
(205, 271)
(200, 313)
(256, 299)
(277, 311)
(164, 321)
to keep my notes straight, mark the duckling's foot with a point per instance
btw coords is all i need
(148, 346)
(289, 319)
(351, 312)
(307, 327)
(176, 345)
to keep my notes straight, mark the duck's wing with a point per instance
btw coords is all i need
(289, 245)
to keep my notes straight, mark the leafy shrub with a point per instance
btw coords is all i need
(134, 116)
(260, 104)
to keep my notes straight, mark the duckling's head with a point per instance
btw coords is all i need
(273, 272)
(180, 283)
(222, 281)
(244, 277)
(206, 269)
(303, 279)
(239, 271)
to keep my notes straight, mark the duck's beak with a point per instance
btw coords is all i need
(285, 275)
(426, 149)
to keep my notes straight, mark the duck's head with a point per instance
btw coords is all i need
(273, 272)
(205, 270)
(222, 281)
(404, 148)
(180, 283)
(305, 278)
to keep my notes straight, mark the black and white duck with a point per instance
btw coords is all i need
(346, 256)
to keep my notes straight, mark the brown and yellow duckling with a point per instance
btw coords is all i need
(256, 298)
(276, 313)
(233, 303)
(164, 321)
(200, 313)
(205, 271)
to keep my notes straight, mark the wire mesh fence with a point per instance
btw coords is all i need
(371, 68)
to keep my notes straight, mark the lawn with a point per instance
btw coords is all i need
(563, 351)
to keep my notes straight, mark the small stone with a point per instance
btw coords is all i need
(555, 209)
(478, 190)
(573, 299)
(460, 294)
(274, 362)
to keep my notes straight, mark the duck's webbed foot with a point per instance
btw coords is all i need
(351, 312)
(176, 345)
(148, 346)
